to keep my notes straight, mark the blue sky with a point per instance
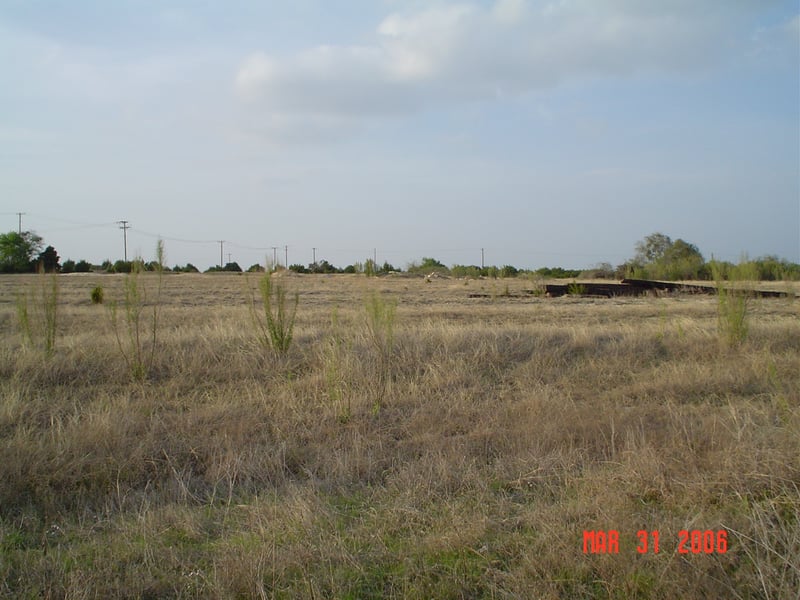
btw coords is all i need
(547, 132)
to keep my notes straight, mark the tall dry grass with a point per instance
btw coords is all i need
(506, 428)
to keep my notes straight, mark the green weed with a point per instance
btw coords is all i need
(277, 325)
(138, 348)
(37, 314)
(733, 299)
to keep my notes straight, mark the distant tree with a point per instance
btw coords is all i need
(350, 269)
(68, 266)
(322, 267)
(658, 257)
(652, 248)
(509, 271)
(17, 251)
(599, 271)
(427, 266)
(122, 266)
(681, 260)
(83, 266)
(107, 266)
(48, 261)
(472, 271)
(232, 267)
(558, 272)
(256, 268)
(298, 269)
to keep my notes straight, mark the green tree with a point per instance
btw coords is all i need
(658, 257)
(17, 251)
(48, 261)
(681, 260)
(83, 266)
(652, 248)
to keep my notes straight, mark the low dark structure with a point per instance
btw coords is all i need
(641, 287)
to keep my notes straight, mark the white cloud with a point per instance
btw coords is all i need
(463, 52)
(509, 11)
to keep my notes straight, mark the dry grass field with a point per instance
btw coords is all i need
(458, 448)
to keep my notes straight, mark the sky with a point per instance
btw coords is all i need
(547, 133)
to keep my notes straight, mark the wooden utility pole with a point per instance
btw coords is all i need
(124, 226)
(220, 252)
(19, 214)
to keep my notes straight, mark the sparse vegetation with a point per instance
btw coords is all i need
(37, 312)
(276, 327)
(138, 341)
(734, 291)
(508, 429)
(576, 289)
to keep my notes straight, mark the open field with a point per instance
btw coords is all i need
(458, 450)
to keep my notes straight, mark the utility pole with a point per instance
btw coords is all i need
(481, 258)
(220, 252)
(124, 226)
(286, 250)
(19, 214)
(375, 258)
(314, 256)
(274, 257)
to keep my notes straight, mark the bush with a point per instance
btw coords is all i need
(277, 325)
(97, 295)
(38, 322)
(733, 299)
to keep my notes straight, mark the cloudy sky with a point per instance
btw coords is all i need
(547, 132)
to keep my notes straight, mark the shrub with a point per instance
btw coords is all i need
(68, 266)
(135, 351)
(733, 297)
(38, 323)
(97, 295)
(277, 326)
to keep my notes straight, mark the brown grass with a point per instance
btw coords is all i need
(464, 461)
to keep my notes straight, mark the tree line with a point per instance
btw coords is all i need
(656, 256)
